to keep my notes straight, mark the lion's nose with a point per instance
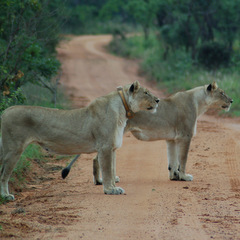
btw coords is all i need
(157, 101)
(231, 101)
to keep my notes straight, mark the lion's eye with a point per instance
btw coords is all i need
(146, 93)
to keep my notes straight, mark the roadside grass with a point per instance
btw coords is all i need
(23, 166)
(39, 96)
(178, 72)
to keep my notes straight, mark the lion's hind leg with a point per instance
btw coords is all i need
(9, 161)
(97, 180)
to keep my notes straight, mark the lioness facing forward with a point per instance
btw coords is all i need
(175, 122)
(98, 128)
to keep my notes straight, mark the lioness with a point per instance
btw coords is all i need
(98, 128)
(175, 122)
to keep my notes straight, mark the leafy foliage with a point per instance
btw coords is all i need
(186, 24)
(213, 55)
(16, 97)
(28, 35)
(194, 23)
(178, 71)
(143, 12)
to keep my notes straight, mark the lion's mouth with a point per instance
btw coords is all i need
(152, 109)
(225, 106)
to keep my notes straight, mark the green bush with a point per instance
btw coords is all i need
(29, 33)
(179, 71)
(213, 55)
(14, 98)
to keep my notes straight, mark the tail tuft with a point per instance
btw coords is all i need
(65, 172)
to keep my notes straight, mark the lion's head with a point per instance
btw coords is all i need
(140, 98)
(218, 97)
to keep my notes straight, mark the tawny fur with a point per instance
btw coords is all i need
(176, 122)
(98, 128)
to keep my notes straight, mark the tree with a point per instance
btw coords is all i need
(176, 25)
(191, 23)
(227, 24)
(144, 12)
(28, 36)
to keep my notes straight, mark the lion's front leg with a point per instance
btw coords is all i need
(97, 180)
(106, 161)
(117, 179)
(183, 148)
(173, 164)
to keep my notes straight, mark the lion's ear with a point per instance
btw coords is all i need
(213, 86)
(134, 87)
(209, 88)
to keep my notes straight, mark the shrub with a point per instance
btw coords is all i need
(28, 37)
(213, 55)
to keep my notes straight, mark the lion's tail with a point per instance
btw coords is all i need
(67, 169)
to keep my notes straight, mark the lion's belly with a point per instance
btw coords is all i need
(145, 135)
(66, 148)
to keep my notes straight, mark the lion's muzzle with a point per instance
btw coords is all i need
(227, 106)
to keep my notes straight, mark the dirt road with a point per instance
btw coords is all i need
(154, 207)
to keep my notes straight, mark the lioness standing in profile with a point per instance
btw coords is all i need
(175, 122)
(98, 128)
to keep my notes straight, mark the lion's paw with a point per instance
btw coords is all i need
(185, 177)
(114, 191)
(174, 175)
(8, 197)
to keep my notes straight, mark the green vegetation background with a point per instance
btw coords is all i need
(180, 44)
(179, 71)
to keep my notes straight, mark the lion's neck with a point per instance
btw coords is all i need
(201, 101)
(133, 107)
(118, 104)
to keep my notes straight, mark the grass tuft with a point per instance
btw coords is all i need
(23, 166)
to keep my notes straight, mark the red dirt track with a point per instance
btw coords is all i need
(154, 207)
